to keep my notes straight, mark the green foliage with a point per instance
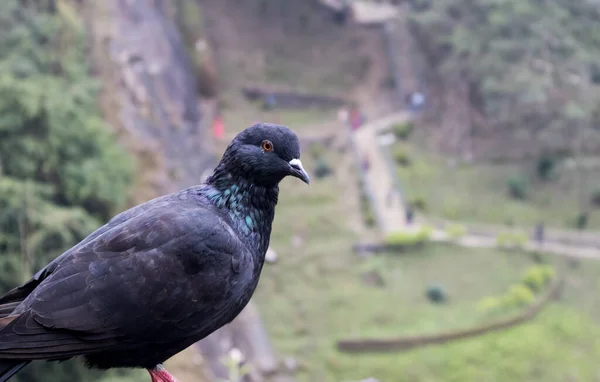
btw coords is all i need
(582, 220)
(418, 203)
(519, 295)
(322, 168)
(367, 211)
(511, 239)
(61, 171)
(403, 130)
(537, 277)
(401, 156)
(522, 52)
(517, 188)
(545, 167)
(404, 239)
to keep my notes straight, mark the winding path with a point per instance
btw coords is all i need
(378, 180)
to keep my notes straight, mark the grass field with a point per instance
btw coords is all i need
(479, 193)
(314, 296)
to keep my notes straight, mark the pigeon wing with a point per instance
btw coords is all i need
(149, 279)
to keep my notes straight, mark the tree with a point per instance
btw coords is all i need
(61, 169)
(528, 63)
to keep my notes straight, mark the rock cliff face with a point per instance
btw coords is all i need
(149, 92)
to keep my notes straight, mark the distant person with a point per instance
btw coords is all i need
(539, 233)
(270, 102)
(357, 119)
(341, 16)
(410, 214)
(365, 163)
(218, 128)
(416, 101)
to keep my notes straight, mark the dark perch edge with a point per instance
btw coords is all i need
(406, 343)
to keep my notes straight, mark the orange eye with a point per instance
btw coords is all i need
(267, 146)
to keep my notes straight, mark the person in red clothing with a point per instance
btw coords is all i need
(357, 119)
(218, 128)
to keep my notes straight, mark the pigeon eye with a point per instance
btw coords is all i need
(267, 146)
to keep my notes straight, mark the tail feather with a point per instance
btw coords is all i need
(8, 368)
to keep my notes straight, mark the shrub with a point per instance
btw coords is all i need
(408, 238)
(535, 278)
(545, 167)
(548, 272)
(403, 130)
(437, 294)
(401, 156)
(517, 188)
(369, 218)
(322, 169)
(581, 222)
(418, 203)
(519, 295)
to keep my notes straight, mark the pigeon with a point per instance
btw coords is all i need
(160, 276)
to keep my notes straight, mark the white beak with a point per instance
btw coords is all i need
(298, 170)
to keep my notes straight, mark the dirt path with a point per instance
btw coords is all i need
(378, 179)
(481, 241)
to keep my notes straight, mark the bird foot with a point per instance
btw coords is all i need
(160, 374)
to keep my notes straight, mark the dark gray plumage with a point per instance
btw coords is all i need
(160, 276)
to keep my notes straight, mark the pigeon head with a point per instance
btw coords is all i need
(263, 155)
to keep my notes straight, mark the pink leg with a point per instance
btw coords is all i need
(160, 374)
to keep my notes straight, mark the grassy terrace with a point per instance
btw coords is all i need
(314, 296)
(479, 193)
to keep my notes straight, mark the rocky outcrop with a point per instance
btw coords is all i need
(149, 92)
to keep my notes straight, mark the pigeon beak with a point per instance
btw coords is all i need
(298, 171)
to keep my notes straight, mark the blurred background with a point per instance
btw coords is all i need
(451, 232)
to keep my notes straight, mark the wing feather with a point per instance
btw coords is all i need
(150, 278)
